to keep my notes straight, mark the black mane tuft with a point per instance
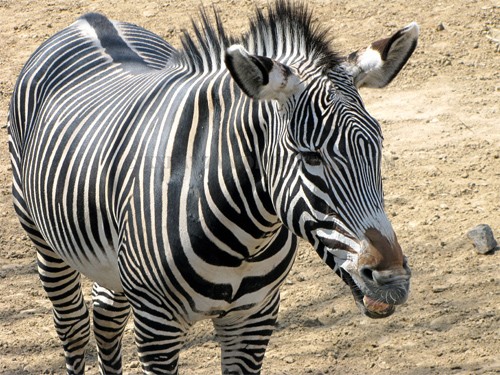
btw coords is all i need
(286, 33)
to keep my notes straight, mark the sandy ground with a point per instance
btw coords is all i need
(441, 121)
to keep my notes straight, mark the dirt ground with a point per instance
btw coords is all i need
(441, 122)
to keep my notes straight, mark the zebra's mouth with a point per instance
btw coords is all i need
(377, 308)
(371, 307)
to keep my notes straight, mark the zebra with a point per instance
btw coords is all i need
(180, 180)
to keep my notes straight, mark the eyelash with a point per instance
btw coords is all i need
(312, 158)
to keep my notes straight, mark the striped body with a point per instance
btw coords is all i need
(104, 179)
(154, 173)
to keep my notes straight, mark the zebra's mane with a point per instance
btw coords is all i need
(286, 31)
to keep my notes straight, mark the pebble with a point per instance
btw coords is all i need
(442, 323)
(134, 364)
(311, 323)
(482, 238)
(439, 288)
(149, 13)
(28, 311)
(440, 27)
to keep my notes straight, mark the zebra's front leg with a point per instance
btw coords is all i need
(159, 337)
(244, 340)
(71, 317)
(111, 312)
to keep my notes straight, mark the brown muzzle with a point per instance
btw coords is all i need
(383, 261)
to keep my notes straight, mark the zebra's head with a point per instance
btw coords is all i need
(323, 157)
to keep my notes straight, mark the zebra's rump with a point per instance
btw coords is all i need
(62, 139)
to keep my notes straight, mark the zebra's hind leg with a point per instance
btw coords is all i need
(111, 312)
(71, 317)
(244, 340)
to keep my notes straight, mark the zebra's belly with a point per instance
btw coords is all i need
(99, 262)
(102, 269)
(93, 256)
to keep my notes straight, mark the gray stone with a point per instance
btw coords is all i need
(482, 238)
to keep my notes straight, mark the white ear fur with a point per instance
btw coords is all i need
(261, 77)
(377, 65)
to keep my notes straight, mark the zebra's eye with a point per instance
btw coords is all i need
(312, 158)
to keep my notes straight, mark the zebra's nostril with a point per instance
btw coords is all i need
(386, 277)
(367, 274)
(406, 266)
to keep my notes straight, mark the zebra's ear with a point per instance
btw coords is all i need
(377, 65)
(261, 77)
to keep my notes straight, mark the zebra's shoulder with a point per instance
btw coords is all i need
(126, 43)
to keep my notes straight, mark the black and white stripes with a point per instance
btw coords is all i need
(152, 172)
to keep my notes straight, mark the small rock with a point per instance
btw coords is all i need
(439, 288)
(134, 364)
(442, 323)
(149, 13)
(300, 278)
(440, 27)
(383, 365)
(289, 359)
(28, 311)
(482, 238)
(311, 323)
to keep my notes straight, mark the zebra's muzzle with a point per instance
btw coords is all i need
(375, 269)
